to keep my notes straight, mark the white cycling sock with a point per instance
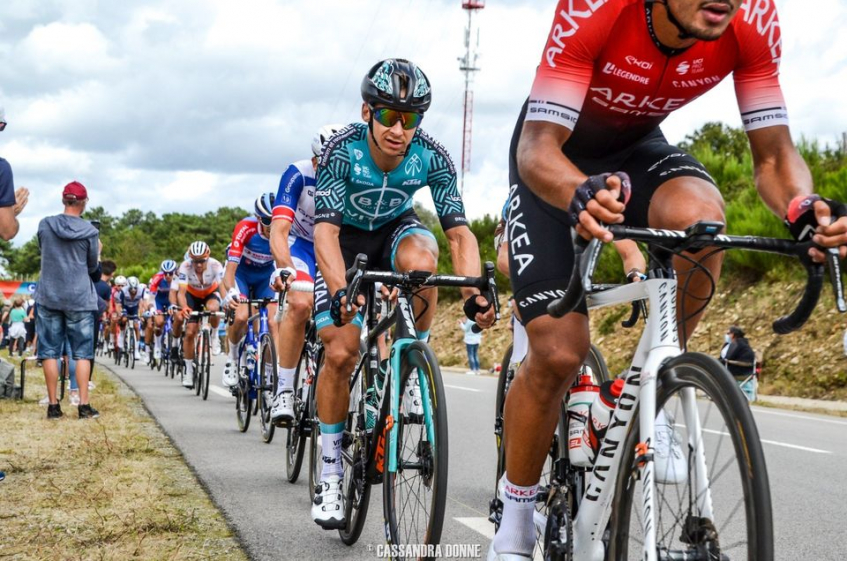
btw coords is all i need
(286, 379)
(121, 339)
(189, 366)
(331, 450)
(517, 531)
(233, 351)
(157, 342)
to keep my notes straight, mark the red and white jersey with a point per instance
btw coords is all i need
(603, 76)
(203, 285)
(249, 247)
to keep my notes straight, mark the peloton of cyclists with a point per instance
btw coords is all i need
(367, 175)
(199, 288)
(292, 243)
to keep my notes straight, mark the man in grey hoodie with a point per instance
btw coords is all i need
(65, 295)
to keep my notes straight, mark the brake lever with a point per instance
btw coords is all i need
(835, 278)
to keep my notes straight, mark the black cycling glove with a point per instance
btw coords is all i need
(589, 189)
(335, 307)
(801, 220)
(471, 308)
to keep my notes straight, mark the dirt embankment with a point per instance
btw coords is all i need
(808, 363)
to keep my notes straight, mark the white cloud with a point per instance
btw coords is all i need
(187, 105)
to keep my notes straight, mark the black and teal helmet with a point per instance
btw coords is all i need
(387, 81)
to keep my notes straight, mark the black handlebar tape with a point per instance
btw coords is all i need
(795, 320)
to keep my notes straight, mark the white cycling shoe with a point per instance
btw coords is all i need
(328, 506)
(230, 379)
(157, 354)
(188, 380)
(283, 406)
(669, 460)
(412, 398)
(494, 556)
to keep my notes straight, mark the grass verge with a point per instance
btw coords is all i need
(110, 488)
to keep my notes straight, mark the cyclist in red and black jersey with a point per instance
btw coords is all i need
(610, 73)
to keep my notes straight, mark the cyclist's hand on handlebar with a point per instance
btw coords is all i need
(338, 308)
(389, 296)
(186, 312)
(280, 281)
(831, 231)
(821, 219)
(601, 198)
(481, 309)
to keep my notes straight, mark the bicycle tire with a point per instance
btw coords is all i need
(268, 383)
(431, 457)
(709, 379)
(206, 367)
(242, 393)
(295, 440)
(354, 456)
(132, 347)
(63, 379)
(315, 433)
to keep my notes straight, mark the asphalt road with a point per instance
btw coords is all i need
(806, 455)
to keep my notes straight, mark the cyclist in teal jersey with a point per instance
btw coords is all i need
(367, 176)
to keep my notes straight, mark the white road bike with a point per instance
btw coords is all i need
(622, 509)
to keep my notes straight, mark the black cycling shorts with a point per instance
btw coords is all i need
(379, 245)
(199, 304)
(540, 248)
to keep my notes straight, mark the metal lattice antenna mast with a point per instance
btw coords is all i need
(467, 65)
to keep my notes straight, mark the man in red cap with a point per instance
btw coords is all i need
(12, 202)
(65, 294)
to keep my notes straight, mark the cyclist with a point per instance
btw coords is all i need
(367, 176)
(130, 305)
(199, 287)
(114, 323)
(249, 266)
(160, 289)
(609, 76)
(292, 243)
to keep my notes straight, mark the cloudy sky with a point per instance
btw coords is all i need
(187, 105)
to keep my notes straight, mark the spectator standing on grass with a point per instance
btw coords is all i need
(65, 295)
(17, 331)
(11, 202)
(472, 341)
(737, 354)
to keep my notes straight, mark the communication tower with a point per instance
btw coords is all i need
(467, 64)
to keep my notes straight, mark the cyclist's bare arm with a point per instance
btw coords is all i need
(554, 178)
(181, 299)
(782, 174)
(503, 258)
(280, 231)
(464, 253)
(229, 278)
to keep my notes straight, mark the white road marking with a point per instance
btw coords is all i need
(478, 524)
(220, 391)
(462, 388)
(775, 443)
(793, 416)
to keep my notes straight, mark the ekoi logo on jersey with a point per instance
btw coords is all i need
(567, 23)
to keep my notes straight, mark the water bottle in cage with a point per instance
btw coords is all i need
(599, 415)
(581, 397)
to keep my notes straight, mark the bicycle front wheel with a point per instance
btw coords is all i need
(206, 365)
(714, 501)
(267, 385)
(295, 438)
(414, 496)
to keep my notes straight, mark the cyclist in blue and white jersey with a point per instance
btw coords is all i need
(131, 302)
(293, 249)
(367, 175)
(249, 265)
(160, 289)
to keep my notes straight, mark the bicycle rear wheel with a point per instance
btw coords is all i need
(267, 385)
(131, 350)
(355, 449)
(315, 462)
(415, 496)
(295, 439)
(740, 525)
